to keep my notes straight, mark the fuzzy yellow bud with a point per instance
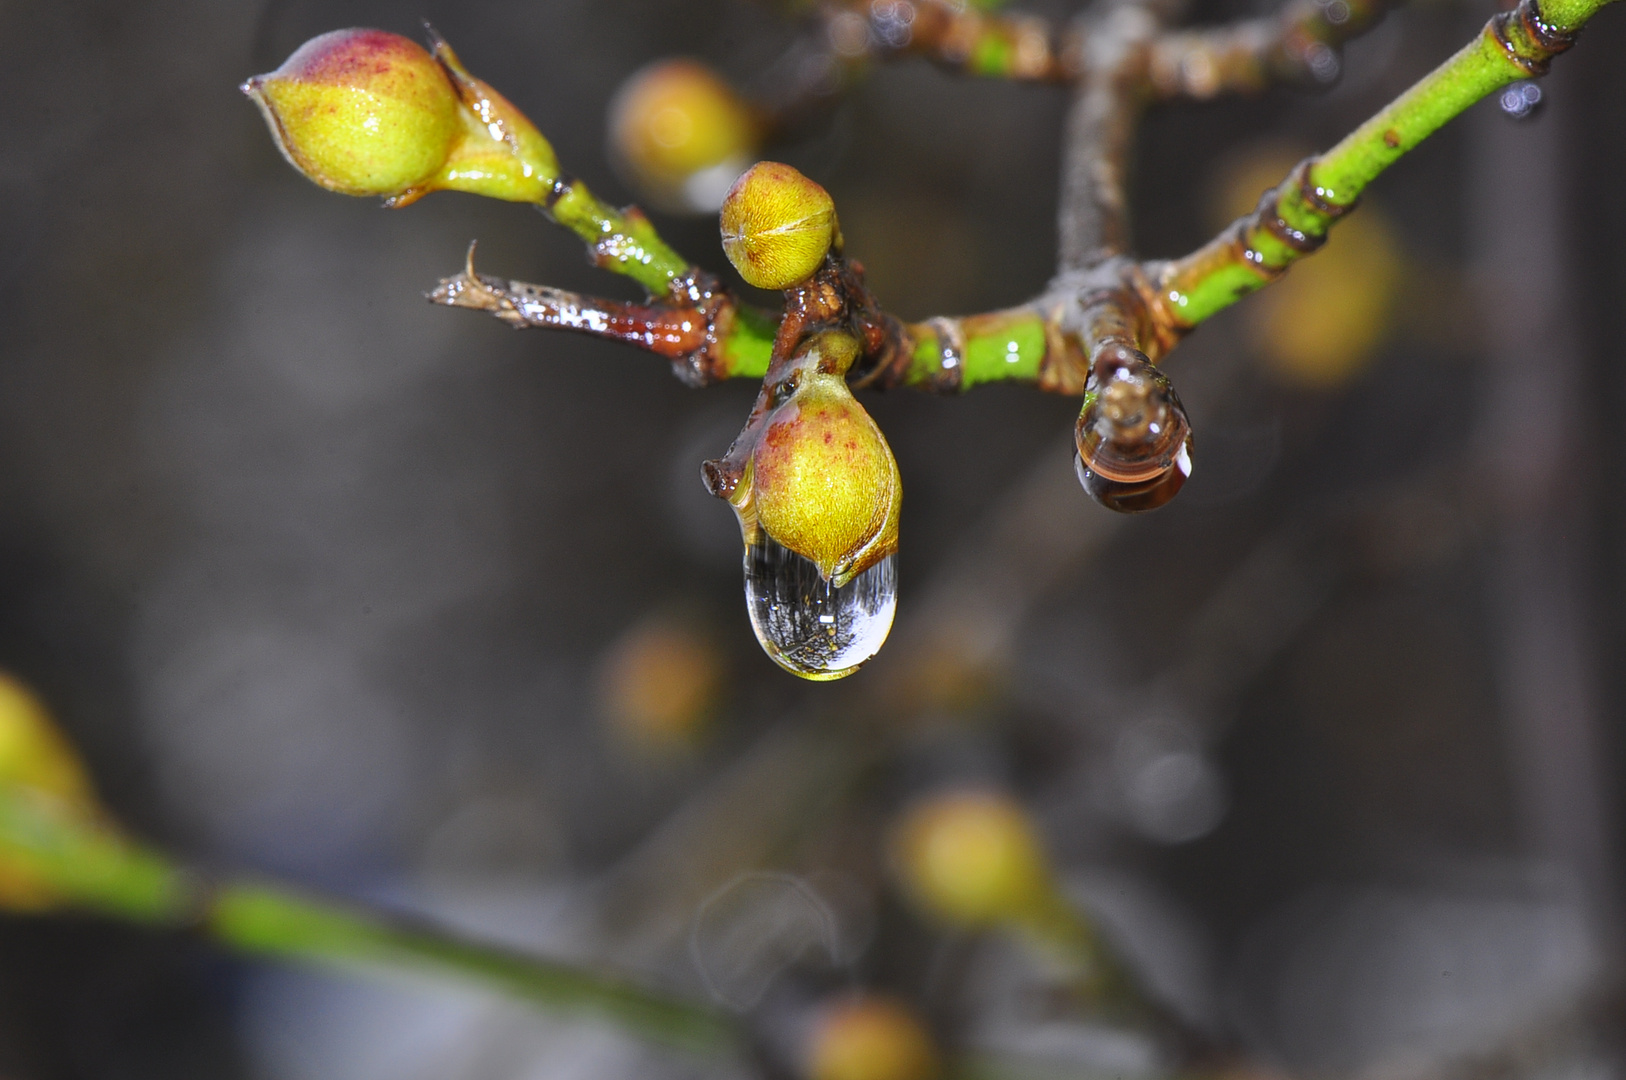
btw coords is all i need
(971, 858)
(33, 753)
(362, 112)
(777, 225)
(38, 764)
(661, 682)
(871, 1038)
(682, 134)
(823, 481)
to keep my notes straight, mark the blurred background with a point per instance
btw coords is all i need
(393, 601)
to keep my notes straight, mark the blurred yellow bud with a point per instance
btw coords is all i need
(37, 763)
(777, 225)
(660, 683)
(823, 481)
(1323, 322)
(971, 858)
(362, 112)
(34, 754)
(682, 134)
(871, 1038)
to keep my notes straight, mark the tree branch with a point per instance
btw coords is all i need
(622, 241)
(1292, 220)
(1093, 220)
(954, 36)
(1298, 44)
(702, 330)
(1101, 298)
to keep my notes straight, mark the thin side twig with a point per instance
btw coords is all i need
(1299, 43)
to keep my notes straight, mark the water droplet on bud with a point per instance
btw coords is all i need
(1133, 438)
(808, 626)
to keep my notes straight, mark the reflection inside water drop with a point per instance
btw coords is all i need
(809, 627)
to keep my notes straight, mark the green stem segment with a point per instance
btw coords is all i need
(515, 161)
(1293, 219)
(620, 240)
(86, 865)
(945, 354)
(957, 354)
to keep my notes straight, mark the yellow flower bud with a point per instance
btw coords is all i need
(34, 754)
(39, 764)
(362, 112)
(660, 683)
(777, 225)
(823, 481)
(682, 134)
(871, 1038)
(971, 858)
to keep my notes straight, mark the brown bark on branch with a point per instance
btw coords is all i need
(689, 332)
(1297, 44)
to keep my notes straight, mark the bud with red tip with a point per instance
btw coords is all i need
(821, 479)
(365, 112)
(361, 112)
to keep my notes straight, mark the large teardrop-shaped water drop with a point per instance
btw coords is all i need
(807, 625)
(1133, 438)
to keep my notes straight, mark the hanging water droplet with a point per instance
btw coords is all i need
(1134, 498)
(807, 625)
(1133, 439)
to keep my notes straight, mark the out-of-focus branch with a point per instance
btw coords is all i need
(954, 35)
(86, 864)
(1093, 219)
(1299, 43)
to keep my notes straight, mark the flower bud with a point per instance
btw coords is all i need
(823, 481)
(682, 134)
(362, 112)
(871, 1038)
(777, 225)
(971, 858)
(39, 765)
(34, 755)
(660, 683)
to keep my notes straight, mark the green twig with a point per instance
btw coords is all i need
(90, 866)
(1292, 220)
(1048, 341)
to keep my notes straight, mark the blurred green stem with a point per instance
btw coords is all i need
(86, 865)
